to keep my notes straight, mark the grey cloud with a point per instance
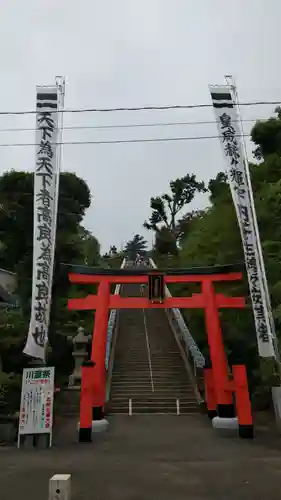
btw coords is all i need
(129, 53)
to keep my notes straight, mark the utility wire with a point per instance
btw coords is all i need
(123, 141)
(140, 108)
(131, 125)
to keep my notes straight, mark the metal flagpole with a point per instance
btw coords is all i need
(231, 83)
(60, 82)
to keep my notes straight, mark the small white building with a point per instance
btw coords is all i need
(8, 280)
(8, 285)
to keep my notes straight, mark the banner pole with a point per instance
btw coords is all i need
(60, 82)
(227, 119)
(45, 200)
(230, 80)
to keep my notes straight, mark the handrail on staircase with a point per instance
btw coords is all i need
(112, 322)
(178, 326)
(111, 337)
(181, 330)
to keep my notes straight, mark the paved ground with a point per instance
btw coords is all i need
(149, 458)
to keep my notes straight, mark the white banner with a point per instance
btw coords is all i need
(230, 136)
(37, 397)
(45, 193)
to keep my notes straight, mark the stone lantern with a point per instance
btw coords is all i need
(80, 354)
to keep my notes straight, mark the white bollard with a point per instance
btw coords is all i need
(97, 425)
(178, 406)
(60, 487)
(226, 426)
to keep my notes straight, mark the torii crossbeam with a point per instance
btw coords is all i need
(219, 388)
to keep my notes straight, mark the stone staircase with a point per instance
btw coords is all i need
(148, 367)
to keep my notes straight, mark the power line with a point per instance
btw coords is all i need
(141, 108)
(123, 141)
(131, 125)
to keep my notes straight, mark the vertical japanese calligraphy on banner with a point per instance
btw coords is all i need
(45, 179)
(227, 119)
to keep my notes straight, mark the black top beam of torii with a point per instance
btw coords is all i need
(191, 271)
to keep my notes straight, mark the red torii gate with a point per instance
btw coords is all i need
(219, 388)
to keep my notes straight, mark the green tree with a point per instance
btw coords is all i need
(90, 247)
(16, 218)
(218, 188)
(267, 136)
(167, 207)
(214, 238)
(137, 244)
(165, 242)
(74, 244)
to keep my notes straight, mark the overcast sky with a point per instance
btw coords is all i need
(126, 53)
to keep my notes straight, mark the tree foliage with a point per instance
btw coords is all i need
(74, 244)
(89, 247)
(166, 209)
(267, 136)
(137, 244)
(212, 237)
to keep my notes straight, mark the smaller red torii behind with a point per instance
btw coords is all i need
(219, 389)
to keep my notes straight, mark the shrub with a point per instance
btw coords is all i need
(10, 391)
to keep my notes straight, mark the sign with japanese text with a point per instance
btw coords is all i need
(37, 396)
(45, 179)
(230, 136)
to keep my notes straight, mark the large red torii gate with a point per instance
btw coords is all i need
(219, 388)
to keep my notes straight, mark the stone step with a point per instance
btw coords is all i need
(146, 408)
(159, 390)
(148, 388)
(131, 374)
(152, 400)
(164, 394)
(134, 352)
(169, 381)
(152, 395)
(155, 403)
(136, 355)
(181, 377)
(117, 412)
(122, 368)
(140, 384)
(144, 373)
(144, 359)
